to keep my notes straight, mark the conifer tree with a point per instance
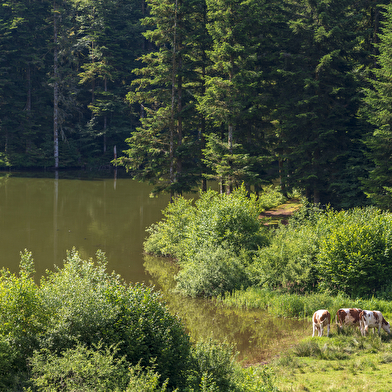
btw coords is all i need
(319, 134)
(109, 41)
(164, 149)
(238, 84)
(378, 100)
(24, 110)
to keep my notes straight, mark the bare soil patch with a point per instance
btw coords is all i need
(280, 214)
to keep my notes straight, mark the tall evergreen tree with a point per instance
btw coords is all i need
(319, 135)
(164, 149)
(109, 41)
(378, 100)
(232, 83)
(24, 108)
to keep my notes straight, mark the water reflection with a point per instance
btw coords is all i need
(257, 335)
(51, 214)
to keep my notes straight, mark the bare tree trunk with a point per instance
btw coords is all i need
(55, 90)
(105, 119)
(28, 102)
(230, 129)
(316, 196)
(173, 93)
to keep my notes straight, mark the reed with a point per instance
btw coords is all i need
(299, 305)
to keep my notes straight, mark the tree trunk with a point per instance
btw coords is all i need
(55, 90)
(173, 94)
(105, 119)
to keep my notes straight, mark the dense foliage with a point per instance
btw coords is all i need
(238, 91)
(214, 240)
(221, 246)
(82, 329)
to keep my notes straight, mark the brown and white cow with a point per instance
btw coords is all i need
(373, 319)
(321, 318)
(348, 317)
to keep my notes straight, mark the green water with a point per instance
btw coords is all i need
(49, 215)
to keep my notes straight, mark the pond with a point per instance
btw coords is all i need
(49, 214)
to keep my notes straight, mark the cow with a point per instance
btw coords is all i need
(321, 318)
(373, 319)
(348, 317)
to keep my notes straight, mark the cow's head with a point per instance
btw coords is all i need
(386, 326)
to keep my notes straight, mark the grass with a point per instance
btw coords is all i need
(282, 304)
(344, 362)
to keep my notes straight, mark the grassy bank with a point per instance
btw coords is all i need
(345, 362)
(283, 304)
(342, 362)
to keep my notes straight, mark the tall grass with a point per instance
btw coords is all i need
(283, 304)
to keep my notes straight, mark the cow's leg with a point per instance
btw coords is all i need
(321, 330)
(328, 328)
(314, 329)
(362, 328)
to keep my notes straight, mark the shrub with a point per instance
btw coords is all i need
(214, 241)
(8, 364)
(356, 255)
(145, 380)
(215, 219)
(76, 297)
(166, 237)
(22, 318)
(90, 306)
(212, 272)
(213, 364)
(222, 218)
(255, 379)
(79, 369)
(289, 261)
(270, 198)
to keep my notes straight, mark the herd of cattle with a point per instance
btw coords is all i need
(364, 319)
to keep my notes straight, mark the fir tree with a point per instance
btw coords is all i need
(378, 100)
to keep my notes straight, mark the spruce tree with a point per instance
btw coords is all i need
(378, 100)
(24, 109)
(164, 150)
(233, 26)
(319, 134)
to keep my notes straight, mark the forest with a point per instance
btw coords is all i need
(182, 91)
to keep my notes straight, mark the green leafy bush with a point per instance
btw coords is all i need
(213, 365)
(214, 241)
(289, 261)
(145, 380)
(79, 369)
(222, 218)
(22, 317)
(356, 254)
(255, 379)
(90, 306)
(167, 236)
(90, 331)
(8, 363)
(211, 272)
(78, 307)
(270, 198)
(346, 251)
